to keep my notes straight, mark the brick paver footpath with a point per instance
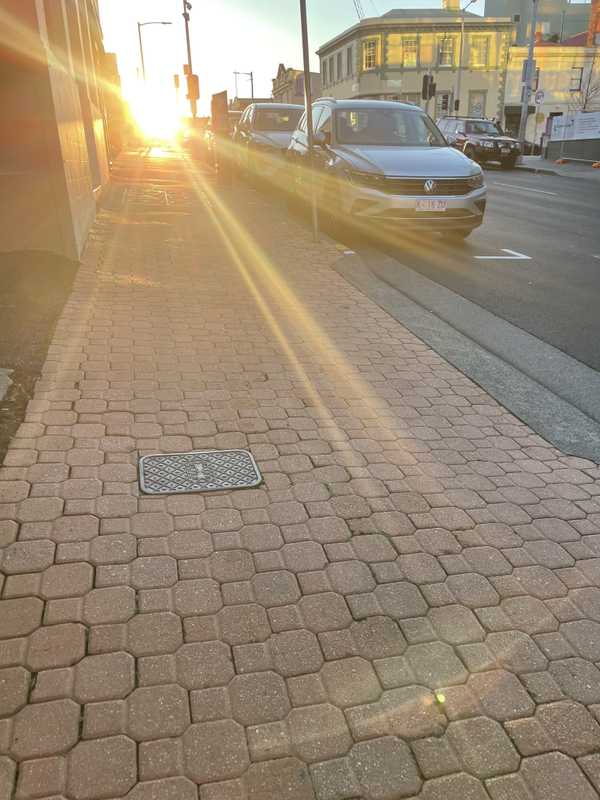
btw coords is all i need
(409, 606)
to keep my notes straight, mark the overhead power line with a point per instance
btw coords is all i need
(359, 9)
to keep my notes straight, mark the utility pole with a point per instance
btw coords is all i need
(460, 57)
(528, 79)
(141, 51)
(309, 120)
(187, 7)
(248, 75)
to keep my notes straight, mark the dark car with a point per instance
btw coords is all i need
(383, 163)
(262, 136)
(480, 139)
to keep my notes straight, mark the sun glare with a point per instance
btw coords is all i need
(155, 112)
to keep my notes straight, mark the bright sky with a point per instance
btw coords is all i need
(227, 35)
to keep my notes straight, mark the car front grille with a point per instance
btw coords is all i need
(415, 187)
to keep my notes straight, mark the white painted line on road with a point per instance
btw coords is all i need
(524, 188)
(513, 256)
(349, 253)
(596, 256)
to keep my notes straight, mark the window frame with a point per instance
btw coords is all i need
(324, 72)
(475, 40)
(370, 42)
(572, 76)
(339, 65)
(350, 60)
(405, 50)
(441, 51)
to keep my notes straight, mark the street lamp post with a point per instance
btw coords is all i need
(140, 26)
(187, 7)
(309, 120)
(460, 56)
(528, 80)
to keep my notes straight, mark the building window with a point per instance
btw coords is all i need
(340, 68)
(370, 54)
(480, 51)
(350, 61)
(331, 70)
(576, 79)
(409, 52)
(394, 49)
(324, 72)
(477, 101)
(446, 52)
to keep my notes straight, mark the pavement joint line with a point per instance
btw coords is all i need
(493, 353)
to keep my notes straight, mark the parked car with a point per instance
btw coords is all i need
(262, 136)
(480, 139)
(387, 163)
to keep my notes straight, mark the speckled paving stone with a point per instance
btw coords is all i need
(501, 694)
(517, 651)
(14, 688)
(409, 712)
(8, 770)
(232, 565)
(197, 597)
(20, 617)
(378, 637)
(164, 789)
(529, 614)
(318, 732)
(45, 729)
(571, 727)
(334, 780)
(276, 588)
(155, 712)
(28, 556)
(454, 787)
(324, 612)
(579, 679)
(401, 600)
(296, 652)
(153, 634)
(282, 778)
(56, 646)
(41, 777)
(204, 664)
(483, 747)
(215, 751)
(584, 635)
(102, 768)
(110, 605)
(104, 677)
(153, 572)
(242, 624)
(555, 776)
(435, 664)
(350, 682)
(67, 580)
(304, 556)
(456, 624)
(472, 590)
(385, 769)
(435, 757)
(258, 698)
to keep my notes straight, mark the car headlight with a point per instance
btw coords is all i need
(476, 181)
(369, 179)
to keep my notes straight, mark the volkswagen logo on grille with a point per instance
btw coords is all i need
(430, 186)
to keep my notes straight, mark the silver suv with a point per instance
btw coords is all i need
(387, 162)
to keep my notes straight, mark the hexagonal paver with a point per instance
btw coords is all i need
(101, 768)
(578, 679)
(204, 664)
(243, 624)
(378, 637)
(153, 572)
(45, 729)
(350, 682)
(318, 732)
(8, 770)
(385, 769)
(473, 590)
(456, 624)
(232, 565)
(409, 712)
(348, 577)
(156, 712)
(501, 694)
(517, 651)
(335, 779)
(283, 777)
(164, 789)
(201, 596)
(456, 787)
(571, 727)
(588, 600)
(276, 588)
(105, 606)
(584, 635)
(108, 676)
(14, 688)
(401, 600)
(304, 556)
(529, 614)
(34, 556)
(215, 751)
(258, 698)
(56, 646)
(483, 747)
(67, 580)
(296, 652)
(324, 612)
(153, 634)
(20, 617)
(555, 776)
(435, 664)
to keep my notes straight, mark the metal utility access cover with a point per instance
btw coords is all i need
(200, 471)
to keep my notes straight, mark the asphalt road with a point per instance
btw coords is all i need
(550, 288)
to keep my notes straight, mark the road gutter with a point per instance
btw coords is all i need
(556, 395)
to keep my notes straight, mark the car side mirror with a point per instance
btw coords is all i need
(322, 138)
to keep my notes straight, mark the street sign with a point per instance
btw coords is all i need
(539, 97)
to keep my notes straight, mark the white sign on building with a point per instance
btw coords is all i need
(574, 126)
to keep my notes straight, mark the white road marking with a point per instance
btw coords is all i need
(349, 253)
(513, 256)
(596, 256)
(524, 188)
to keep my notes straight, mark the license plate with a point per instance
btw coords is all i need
(505, 151)
(430, 205)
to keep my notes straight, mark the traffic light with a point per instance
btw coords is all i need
(432, 87)
(425, 87)
(193, 87)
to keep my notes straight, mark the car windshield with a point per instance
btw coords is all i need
(485, 127)
(390, 127)
(280, 119)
